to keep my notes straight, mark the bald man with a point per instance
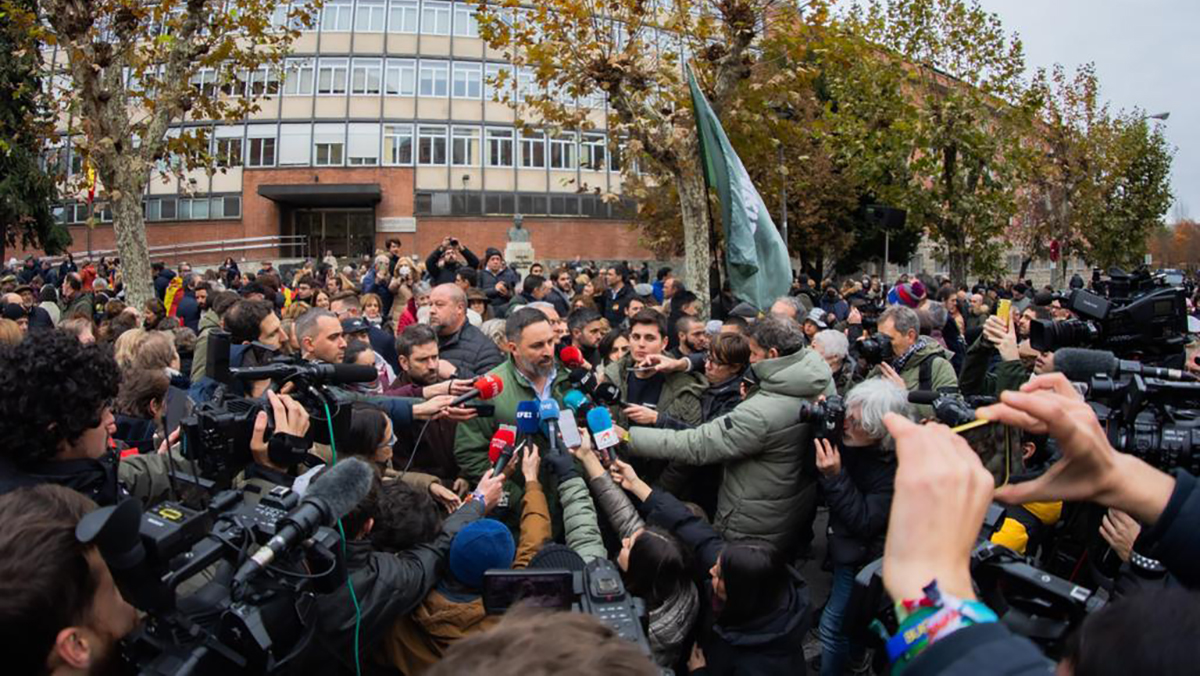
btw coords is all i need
(470, 351)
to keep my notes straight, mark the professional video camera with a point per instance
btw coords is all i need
(217, 435)
(252, 621)
(596, 590)
(875, 350)
(1128, 314)
(826, 417)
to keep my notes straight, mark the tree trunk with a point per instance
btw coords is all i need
(957, 259)
(129, 226)
(693, 208)
(1058, 274)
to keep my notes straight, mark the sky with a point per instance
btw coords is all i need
(1146, 55)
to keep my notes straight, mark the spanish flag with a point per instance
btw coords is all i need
(173, 295)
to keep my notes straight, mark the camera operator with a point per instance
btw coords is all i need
(55, 422)
(385, 585)
(60, 610)
(942, 493)
(446, 259)
(856, 479)
(918, 362)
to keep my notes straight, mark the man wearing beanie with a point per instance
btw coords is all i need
(454, 609)
(498, 281)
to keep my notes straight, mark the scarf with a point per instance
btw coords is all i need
(899, 362)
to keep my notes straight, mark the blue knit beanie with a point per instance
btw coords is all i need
(481, 546)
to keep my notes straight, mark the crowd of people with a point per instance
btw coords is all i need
(710, 505)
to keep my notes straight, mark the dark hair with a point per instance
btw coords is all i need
(662, 273)
(139, 388)
(732, 349)
(468, 275)
(578, 319)
(659, 566)
(64, 386)
(757, 580)
(244, 320)
(353, 349)
(48, 294)
(368, 424)
(412, 336)
(520, 320)
(222, 301)
(606, 343)
(532, 283)
(203, 286)
(780, 333)
(1139, 634)
(367, 508)
(649, 317)
(46, 582)
(740, 322)
(407, 517)
(390, 241)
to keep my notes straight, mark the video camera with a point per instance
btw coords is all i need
(256, 620)
(1128, 314)
(826, 417)
(875, 350)
(596, 590)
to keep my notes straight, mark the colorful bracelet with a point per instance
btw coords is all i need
(476, 495)
(927, 620)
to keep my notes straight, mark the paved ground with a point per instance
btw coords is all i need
(818, 580)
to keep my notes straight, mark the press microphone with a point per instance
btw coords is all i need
(330, 497)
(548, 413)
(500, 450)
(608, 395)
(1081, 365)
(572, 357)
(484, 387)
(578, 402)
(527, 418)
(318, 372)
(583, 380)
(601, 425)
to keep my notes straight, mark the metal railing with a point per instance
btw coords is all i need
(299, 244)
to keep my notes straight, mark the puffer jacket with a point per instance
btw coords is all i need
(769, 488)
(209, 321)
(471, 352)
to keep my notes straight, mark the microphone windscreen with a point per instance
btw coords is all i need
(548, 410)
(571, 356)
(1080, 365)
(353, 373)
(574, 400)
(607, 394)
(489, 386)
(343, 486)
(599, 419)
(527, 417)
(924, 397)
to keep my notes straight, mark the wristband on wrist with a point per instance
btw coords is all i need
(927, 620)
(476, 495)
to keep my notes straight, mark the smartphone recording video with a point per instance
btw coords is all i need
(997, 445)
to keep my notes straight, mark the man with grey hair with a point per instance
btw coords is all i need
(459, 343)
(857, 477)
(556, 322)
(918, 362)
(792, 307)
(834, 348)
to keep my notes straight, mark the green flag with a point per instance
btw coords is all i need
(755, 255)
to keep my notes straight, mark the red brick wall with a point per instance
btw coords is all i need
(552, 238)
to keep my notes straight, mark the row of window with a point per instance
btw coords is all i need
(327, 144)
(431, 17)
(464, 203)
(161, 209)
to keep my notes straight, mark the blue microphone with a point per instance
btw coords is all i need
(527, 418)
(578, 402)
(548, 412)
(600, 423)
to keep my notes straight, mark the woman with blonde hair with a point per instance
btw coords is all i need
(10, 333)
(126, 346)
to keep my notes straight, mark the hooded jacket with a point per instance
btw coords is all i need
(769, 488)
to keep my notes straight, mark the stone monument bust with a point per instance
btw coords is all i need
(517, 233)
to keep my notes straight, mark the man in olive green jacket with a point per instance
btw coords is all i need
(769, 488)
(919, 360)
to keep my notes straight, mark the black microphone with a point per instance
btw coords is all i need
(331, 496)
(583, 380)
(1081, 365)
(922, 397)
(336, 374)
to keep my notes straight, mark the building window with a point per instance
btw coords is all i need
(465, 24)
(592, 152)
(464, 146)
(435, 18)
(533, 150)
(329, 145)
(402, 16)
(227, 147)
(468, 80)
(331, 76)
(401, 77)
(431, 145)
(497, 81)
(205, 81)
(564, 205)
(261, 146)
(435, 78)
(263, 82)
(336, 16)
(369, 16)
(500, 147)
(527, 84)
(398, 144)
(295, 144)
(298, 77)
(366, 76)
(363, 146)
(562, 152)
(169, 208)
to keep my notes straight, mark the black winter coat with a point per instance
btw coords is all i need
(473, 353)
(439, 274)
(613, 308)
(859, 498)
(769, 645)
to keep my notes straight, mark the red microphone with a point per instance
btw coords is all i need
(572, 357)
(486, 387)
(500, 450)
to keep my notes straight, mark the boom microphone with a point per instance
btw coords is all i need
(331, 496)
(336, 374)
(1081, 365)
(485, 387)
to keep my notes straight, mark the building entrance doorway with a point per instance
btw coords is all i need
(345, 232)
